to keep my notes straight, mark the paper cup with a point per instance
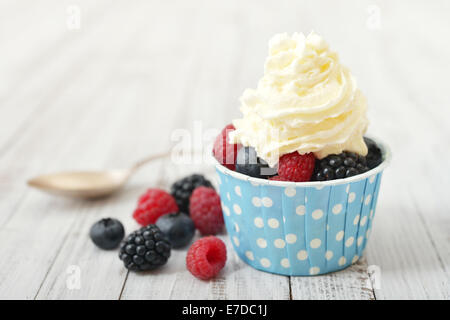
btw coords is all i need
(300, 228)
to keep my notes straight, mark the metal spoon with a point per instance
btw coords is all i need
(88, 184)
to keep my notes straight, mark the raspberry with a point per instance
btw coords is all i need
(296, 167)
(224, 151)
(278, 178)
(206, 211)
(153, 204)
(206, 257)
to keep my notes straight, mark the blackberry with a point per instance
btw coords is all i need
(145, 249)
(373, 157)
(248, 163)
(182, 189)
(338, 166)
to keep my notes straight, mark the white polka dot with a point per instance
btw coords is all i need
(273, 223)
(356, 220)
(337, 208)
(314, 270)
(315, 243)
(320, 187)
(371, 214)
(291, 238)
(360, 240)
(236, 241)
(342, 261)
(259, 222)
(347, 189)
(226, 210)
(328, 227)
(368, 198)
(285, 263)
(279, 243)
(355, 258)
(267, 202)
(219, 181)
(340, 235)
(228, 196)
(284, 219)
(237, 209)
(306, 199)
(317, 214)
(363, 221)
(265, 262)
(254, 183)
(367, 234)
(237, 189)
(249, 255)
(236, 227)
(262, 243)
(290, 192)
(300, 210)
(351, 197)
(329, 255)
(349, 241)
(302, 255)
(371, 179)
(256, 201)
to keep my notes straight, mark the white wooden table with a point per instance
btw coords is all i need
(113, 86)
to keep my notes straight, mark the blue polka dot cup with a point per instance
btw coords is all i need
(300, 228)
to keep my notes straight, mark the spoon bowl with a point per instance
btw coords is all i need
(81, 184)
(87, 184)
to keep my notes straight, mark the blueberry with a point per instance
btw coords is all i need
(107, 233)
(248, 163)
(178, 227)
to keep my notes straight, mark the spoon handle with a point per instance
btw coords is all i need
(144, 161)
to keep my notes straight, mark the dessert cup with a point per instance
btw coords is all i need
(300, 228)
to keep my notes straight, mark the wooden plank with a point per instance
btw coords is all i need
(236, 281)
(31, 82)
(410, 236)
(131, 114)
(47, 221)
(352, 283)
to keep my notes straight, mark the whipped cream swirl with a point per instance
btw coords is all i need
(306, 102)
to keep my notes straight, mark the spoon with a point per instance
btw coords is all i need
(88, 184)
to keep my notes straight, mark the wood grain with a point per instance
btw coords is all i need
(138, 74)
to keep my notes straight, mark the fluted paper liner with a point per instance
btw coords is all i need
(305, 228)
